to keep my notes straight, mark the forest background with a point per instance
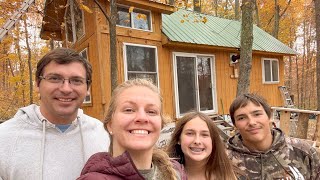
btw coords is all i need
(290, 21)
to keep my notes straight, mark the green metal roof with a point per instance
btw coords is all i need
(217, 32)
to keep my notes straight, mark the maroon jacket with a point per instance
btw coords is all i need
(102, 166)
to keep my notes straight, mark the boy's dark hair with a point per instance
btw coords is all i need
(244, 99)
(63, 56)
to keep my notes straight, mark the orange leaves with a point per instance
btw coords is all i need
(84, 7)
(194, 17)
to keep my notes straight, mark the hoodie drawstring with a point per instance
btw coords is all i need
(42, 152)
(44, 121)
(82, 142)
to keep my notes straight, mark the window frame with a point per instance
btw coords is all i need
(126, 63)
(271, 70)
(73, 23)
(85, 102)
(131, 17)
(213, 81)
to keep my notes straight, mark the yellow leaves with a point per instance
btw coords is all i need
(131, 9)
(195, 17)
(85, 8)
(204, 20)
(142, 16)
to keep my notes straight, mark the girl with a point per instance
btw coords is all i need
(197, 145)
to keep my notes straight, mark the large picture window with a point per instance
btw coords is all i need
(74, 23)
(141, 62)
(194, 83)
(87, 99)
(137, 19)
(270, 69)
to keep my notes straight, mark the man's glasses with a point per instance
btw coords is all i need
(56, 79)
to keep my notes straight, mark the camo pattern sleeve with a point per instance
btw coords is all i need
(288, 158)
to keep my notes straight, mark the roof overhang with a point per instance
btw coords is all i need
(53, 18)
(149, 5)
(203, 47)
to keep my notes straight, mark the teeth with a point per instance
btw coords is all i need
(139, 132)
(196, 149)
(65, 100)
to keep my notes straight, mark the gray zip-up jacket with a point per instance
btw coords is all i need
(288, 158)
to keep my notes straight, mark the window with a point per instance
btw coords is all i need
(74, 23)
(270, 68)
(137, 19)
(194, 80)
(141, 62)
(87, 99)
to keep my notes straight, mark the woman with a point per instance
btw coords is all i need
(134, 120)
(196, 144)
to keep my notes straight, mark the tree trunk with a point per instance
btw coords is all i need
(197, 6)
(236, 10)
(245, 47)
(317, 14)
(257, 13)
(113, 44)
(276, 19)
(29, 61)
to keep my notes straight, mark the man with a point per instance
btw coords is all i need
(55, 139)
(265, 153)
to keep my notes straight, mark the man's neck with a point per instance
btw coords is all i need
(261, 146)
(57, 119)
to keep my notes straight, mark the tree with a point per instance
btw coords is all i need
(317, 16)
(245, 47)
(112, 20)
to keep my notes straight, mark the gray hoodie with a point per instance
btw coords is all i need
(33, 148)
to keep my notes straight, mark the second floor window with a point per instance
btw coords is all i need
(137, 19)
(74, 23)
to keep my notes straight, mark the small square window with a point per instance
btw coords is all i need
(137, 19)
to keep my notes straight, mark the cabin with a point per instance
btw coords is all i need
(193, 63)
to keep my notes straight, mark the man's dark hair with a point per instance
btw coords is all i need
(244, 99)
(63, 56)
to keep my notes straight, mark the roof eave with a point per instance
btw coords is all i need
(150, 5)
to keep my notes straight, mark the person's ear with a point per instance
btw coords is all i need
(109, 128)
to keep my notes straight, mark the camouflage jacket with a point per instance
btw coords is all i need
(288, 158)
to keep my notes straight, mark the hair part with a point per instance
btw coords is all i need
(218, 164)
(63, 56)
(243, 100)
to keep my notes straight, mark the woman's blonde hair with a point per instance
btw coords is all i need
(159, 157)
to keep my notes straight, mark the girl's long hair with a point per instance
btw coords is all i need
(218, 165)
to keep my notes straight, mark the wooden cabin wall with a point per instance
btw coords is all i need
(96, 39)
(225, 85)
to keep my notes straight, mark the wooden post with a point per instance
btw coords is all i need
(302, 126)
(317, 132)
(285, 122)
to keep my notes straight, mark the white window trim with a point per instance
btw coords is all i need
(263, 71)
(131, 18)
(71, 4)
(125, 59)
(89, 90)
(213, 81)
